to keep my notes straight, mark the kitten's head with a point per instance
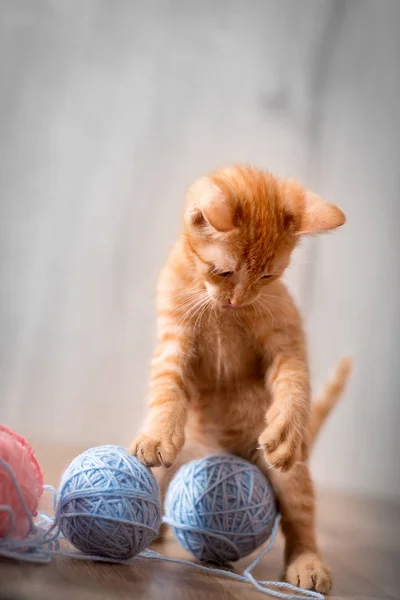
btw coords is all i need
(242, 224)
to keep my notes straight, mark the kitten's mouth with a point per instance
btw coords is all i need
(230, 305)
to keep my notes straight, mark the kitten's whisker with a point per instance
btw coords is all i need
(192, 311)
(281, 299)
(202, 311)
(193, 297)
(190, 304)
(187, 303)
(270, 314)
(189, 314)
(188, 293)
(278, 308)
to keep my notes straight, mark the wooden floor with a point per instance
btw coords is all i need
(359, 538)
(108, 110)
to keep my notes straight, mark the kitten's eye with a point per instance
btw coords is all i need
(266, 276)
(225, 273)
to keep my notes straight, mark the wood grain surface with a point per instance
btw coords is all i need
(108, 110)
(359, 538)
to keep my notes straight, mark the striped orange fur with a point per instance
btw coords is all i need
(230, 370)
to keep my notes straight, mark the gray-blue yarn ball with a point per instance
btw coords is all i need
(221, 508)
(108, 503)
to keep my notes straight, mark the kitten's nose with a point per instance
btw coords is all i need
(232, 304)
(238, 296)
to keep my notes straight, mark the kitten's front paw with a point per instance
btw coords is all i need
(283, 445)
(154, 451)
(309, 572)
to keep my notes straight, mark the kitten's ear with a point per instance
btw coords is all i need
(208, 202)
(318, 215)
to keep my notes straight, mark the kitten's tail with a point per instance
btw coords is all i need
(326, 402)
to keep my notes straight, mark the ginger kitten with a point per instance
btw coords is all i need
(230, 370)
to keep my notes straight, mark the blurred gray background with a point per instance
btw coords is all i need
(108, 110)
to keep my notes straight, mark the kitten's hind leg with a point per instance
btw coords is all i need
(294, 490)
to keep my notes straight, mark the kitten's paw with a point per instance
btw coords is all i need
(309, 572)
(282, 444)
(153, 451)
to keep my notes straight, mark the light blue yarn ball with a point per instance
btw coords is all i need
(108, 503)
(220, 508)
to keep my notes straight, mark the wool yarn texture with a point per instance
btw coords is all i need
(221, 508)
(17, 505)
(108, 503)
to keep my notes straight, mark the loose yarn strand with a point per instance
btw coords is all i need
(42, 544)
(21, 498)
(37, 546)
(266, 587)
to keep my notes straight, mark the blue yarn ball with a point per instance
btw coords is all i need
(108, 503)
(220, 508)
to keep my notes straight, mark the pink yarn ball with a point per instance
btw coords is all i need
(18, 454)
